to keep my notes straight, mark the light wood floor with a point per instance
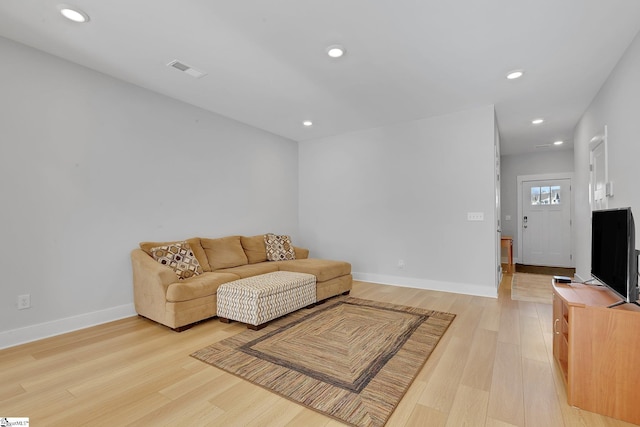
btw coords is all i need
(492, 368)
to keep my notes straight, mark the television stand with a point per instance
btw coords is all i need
(596, 349)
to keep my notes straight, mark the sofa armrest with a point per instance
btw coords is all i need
(150, 282)
(301, 253)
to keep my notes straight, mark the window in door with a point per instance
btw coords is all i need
(545, 195)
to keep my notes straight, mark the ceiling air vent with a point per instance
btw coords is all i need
(542, 146)
(186, 69)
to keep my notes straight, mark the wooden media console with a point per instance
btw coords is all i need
(598, 350)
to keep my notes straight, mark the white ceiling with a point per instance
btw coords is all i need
(406, 59)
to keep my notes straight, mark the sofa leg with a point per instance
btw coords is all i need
(178, 329)
(346, 292)
(224, 320)
(183, 328)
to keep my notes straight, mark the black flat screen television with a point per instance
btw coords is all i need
(613, 253)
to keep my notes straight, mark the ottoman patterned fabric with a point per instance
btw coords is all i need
(259, 299)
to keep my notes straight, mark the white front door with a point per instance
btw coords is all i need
(546, 222)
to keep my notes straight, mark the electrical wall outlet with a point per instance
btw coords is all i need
(24, 301)
(400, 263)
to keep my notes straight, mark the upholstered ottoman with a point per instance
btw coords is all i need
(259, 299)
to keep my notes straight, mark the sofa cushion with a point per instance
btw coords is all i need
(301, 253)
(323, 269)
(224, 252)
(279, 247)
(254, 248)
(199, 286)
(179, 257)
(249, 270)
(194, 242)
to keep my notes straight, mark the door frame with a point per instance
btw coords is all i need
(498, 207)
(541, 177)
(595, 142)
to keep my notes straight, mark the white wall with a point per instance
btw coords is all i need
(374, 197)
(545, 162)
(617, 105)
(90, 166)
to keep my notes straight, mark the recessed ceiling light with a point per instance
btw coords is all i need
(336, 51)
(73, 13)
(515, 74)
(537, 121)
(307, 123)
(558, 143)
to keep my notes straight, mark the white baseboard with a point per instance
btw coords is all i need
(69, 324)
(433, 285)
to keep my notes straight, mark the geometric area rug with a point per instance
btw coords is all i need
(350, 359)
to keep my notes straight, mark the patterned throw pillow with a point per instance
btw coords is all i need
(279, 248)
(179, 257)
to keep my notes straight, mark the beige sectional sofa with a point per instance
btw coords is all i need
(160, 296)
